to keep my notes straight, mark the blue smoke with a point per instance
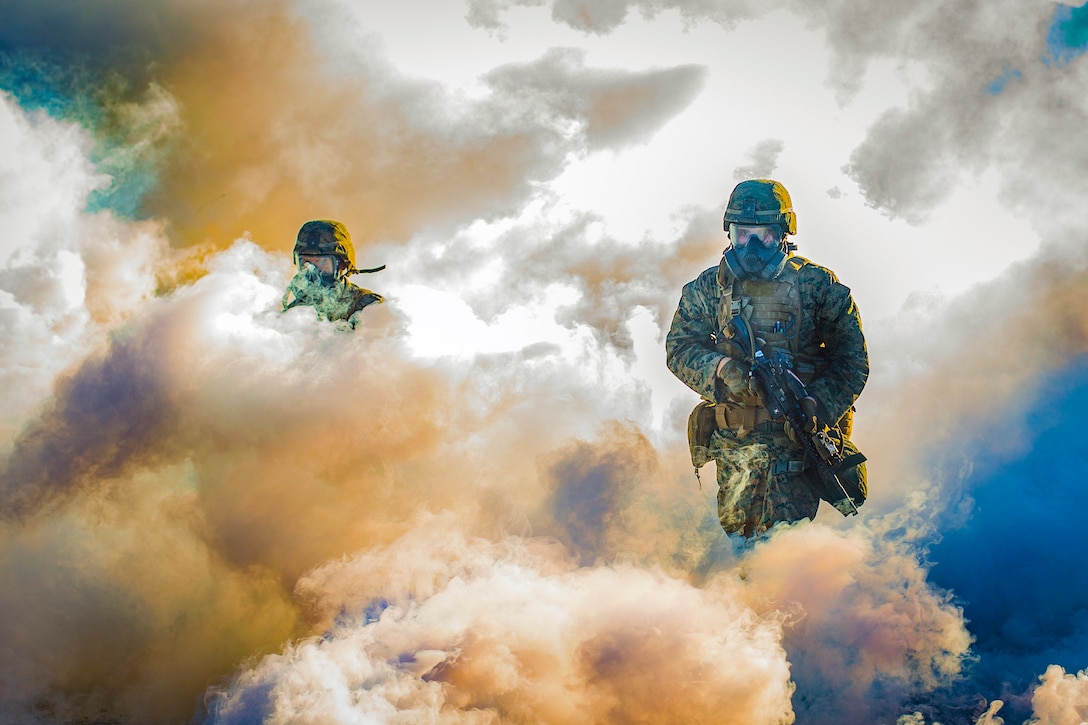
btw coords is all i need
(1067, 37)
(76, 94)
(1015, 561)
(1003, 80)
(591, 485)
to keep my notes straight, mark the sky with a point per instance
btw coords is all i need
(478, 506)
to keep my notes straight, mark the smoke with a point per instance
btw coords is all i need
(763, 160)
(477, 506)
(299, 120)
(214, 439)
(193, 485)
(518, 630)
(986, 91)
(456, 630)
(983, 441)
(603, 17)
(1029, 467)
(1060, 695)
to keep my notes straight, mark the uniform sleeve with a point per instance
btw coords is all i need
(689, 347)
(838, 326)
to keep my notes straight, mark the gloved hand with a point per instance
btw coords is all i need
(734, 375)
(808, 407)
(733, 347)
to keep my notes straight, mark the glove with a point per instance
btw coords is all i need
(808, 409)
(734, 375)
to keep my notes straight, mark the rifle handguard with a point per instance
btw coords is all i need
(782, 392)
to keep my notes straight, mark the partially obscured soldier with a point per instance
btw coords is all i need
(325, 259)
(784, 305)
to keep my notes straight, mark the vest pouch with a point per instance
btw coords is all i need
(701, 427)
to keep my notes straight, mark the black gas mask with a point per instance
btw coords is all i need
(758, 251)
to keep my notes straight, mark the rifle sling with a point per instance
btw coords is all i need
(850, 461)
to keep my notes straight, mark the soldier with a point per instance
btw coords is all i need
(784, 304)
(325, 259)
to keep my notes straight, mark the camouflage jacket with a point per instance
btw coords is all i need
(338, 301)
(829, 333)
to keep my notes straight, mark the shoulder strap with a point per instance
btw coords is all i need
(727, 307)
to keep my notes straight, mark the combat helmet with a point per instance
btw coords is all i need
(328, 238)
(759, 203)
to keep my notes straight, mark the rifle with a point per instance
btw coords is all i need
(782, 392)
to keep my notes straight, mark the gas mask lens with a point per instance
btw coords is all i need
(323, 263)
(762, 236)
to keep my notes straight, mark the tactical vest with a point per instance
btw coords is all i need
(771, 310)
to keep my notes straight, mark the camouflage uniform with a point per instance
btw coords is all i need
(337, 301)
(761, 474)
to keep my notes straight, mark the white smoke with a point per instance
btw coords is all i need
(440, 627)
(446, 629)
(63, 274)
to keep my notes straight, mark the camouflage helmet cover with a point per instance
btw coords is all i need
(325, 236)
(761, 201)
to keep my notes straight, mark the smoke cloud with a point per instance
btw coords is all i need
(458, 631)
(764, 159)
(477, 506)
(298, 120)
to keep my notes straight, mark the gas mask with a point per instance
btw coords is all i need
(318, 285)
(757, 251)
